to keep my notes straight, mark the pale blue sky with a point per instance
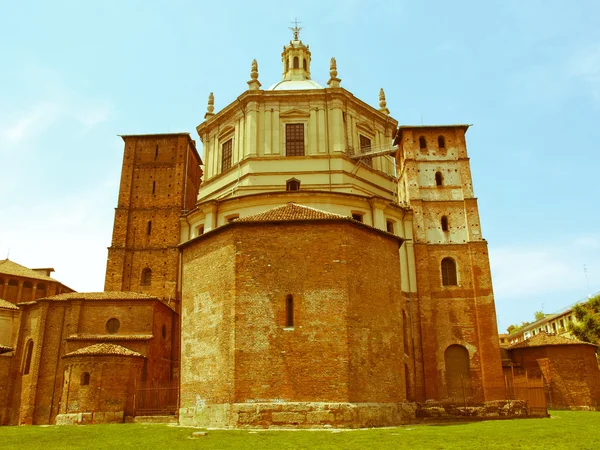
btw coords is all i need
(525, 73)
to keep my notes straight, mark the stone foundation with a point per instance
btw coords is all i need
(88, 418)
(498, 409)
(299, 415)
(348, 415)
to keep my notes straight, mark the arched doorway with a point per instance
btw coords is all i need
(458, 374)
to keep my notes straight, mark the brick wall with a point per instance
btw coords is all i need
(160, 178)
(570, 370)
(346, 342)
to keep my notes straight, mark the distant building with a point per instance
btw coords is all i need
(556, 323)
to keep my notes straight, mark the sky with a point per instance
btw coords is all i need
(526, 73)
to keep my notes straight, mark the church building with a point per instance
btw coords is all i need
(320, 264)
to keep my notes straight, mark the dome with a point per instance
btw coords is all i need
(295, 85)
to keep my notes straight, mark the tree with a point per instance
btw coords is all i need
(588, 316)
(516, 327)
(539, 315)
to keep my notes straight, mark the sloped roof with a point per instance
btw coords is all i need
(109, 295)
(110, 337)
(104, 350)
(5, 349)
(8, 267)
(542, 339)
(290, 212)
(7, 305)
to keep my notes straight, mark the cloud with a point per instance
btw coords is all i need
(55, 103)
(585, 65)
(30, 122)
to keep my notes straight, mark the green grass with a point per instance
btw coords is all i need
(566, 429)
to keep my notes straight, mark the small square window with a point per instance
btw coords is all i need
(389, 225)
(357, 216)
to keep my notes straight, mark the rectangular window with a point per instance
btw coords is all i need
(365, 147)
(389, 225)
(357, 216)
(294, 139)
(226, 155)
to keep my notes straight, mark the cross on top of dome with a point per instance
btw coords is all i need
(296, 29)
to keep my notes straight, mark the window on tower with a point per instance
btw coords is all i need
(444, 223)
(304, 65)
(422, 143)
(146, 279)
(294, 139)
(439, 181)
(226, 152)
(365, 147)
(441, 142)
(296, 62)
(449, 277)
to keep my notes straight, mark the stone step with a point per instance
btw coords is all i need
(155, 419)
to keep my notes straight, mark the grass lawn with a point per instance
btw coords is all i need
(566, 429)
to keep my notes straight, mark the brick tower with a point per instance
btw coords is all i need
(160, 178)
(456, 304)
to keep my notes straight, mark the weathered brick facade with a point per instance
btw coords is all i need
(569, 369)
(52, 328)
(159, 181)
(340, 348)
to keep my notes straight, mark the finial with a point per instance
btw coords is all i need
(333, 68)
(254, 84)
(211, 106)
(334, 81)
(296, 29)
(382, 102)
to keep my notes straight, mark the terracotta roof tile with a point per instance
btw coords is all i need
(7, 305)
(110, 337)
(109, 295)
(543, 338)
(8, 267)
(104, 350)
(290, 212)
(5, 349)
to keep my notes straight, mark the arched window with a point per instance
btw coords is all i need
(458, 374)
(441, 142)
(449, 272)
(113, 325)
(422, 143)
(304, 65)
(149, 227)
(289, 311)
(146, 277)
(85, 379)
(444, 223)
(154, 187)
(296, 62)
(40, 290)
(28, 356)
(292, 185)
(439, 181)
(287, 65)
